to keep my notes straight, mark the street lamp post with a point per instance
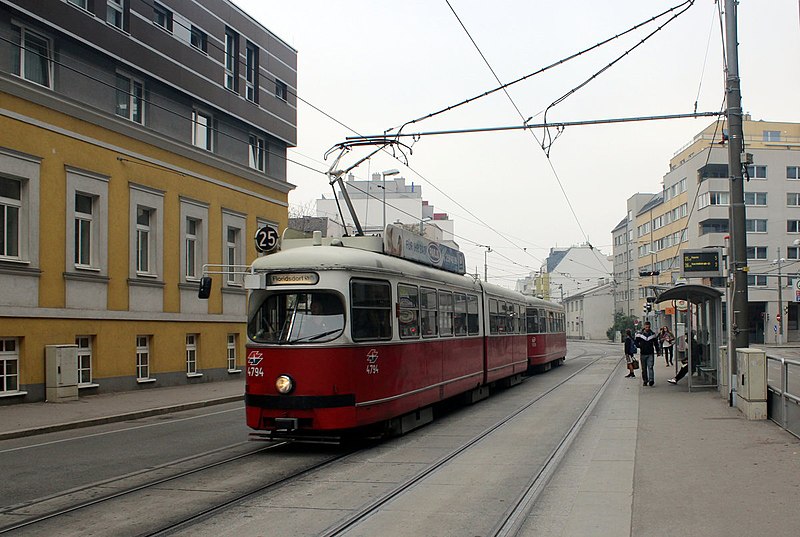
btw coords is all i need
(485, 262)
(384, 175)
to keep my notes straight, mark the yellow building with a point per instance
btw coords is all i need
(135, 148)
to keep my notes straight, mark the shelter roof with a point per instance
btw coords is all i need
(691, 293)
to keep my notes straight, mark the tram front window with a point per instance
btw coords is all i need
(288, 318)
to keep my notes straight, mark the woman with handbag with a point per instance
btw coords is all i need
(630, 352)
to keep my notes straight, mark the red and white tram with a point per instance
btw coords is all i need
(344, 338)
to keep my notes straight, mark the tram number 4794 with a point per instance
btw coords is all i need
(254, 371)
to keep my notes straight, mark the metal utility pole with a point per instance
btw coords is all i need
(779, 316)
(740, 333)
(485, 260)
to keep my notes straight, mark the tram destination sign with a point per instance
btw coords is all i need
(705, 263)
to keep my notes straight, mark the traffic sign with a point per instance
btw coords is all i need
(266, 238)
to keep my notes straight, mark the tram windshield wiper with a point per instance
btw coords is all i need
(315, 337)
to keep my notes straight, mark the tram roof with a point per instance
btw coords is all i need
(344, 257)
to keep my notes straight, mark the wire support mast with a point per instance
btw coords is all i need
(335, 175)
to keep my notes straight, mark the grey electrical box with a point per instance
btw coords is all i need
(751, 394)
(61, 373)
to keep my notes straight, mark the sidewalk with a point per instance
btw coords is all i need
(37, 418)
(663, 462)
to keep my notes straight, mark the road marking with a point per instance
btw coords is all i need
(238, 409)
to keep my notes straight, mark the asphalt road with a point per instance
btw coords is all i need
(45, 465)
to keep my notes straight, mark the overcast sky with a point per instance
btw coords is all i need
(374, 65)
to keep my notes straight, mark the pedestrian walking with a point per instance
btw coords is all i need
(666, 339)
(647, 341)
(629, 348)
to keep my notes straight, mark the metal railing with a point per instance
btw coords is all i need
(783, 385)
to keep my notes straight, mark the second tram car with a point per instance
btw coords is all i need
(345, 338)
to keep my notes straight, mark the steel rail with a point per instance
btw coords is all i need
(368, 510)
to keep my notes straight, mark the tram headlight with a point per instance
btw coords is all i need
(284, 384)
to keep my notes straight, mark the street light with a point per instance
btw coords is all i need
(485, 264)
(384, 174)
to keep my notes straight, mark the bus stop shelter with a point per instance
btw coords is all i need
(698, 331)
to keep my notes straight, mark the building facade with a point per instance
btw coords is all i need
(772, 200)
(139, 142)
(569, 271)
(388, 199)
(590, 313)
(626, 263)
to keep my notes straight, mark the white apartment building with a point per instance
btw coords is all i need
(403, 204)
(590, 313)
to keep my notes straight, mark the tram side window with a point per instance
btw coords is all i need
(445, 313)
(508, 317)
(473, 326)
(371, 309)
(520, 319)
(494, 317)
(460, 317)
(428, 312)
(533, 320)
(551, 322)
(408, 298)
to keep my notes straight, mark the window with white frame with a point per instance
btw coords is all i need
(757, 171)
(84, 236)
(115, 13)
(793, 199)
(162, 17)
(714, 198)
(771, 136)
(756, 252)
(142, 357)
(793, 226)
(757, 225)
(755, 198)
(84, 344)
(232, 352)
(793, 252)
(231, 53)
(194, 215)
(9, 365)
(33, 61)
(190, 261)
(130, 98)
(144, 246)
(251, 63)
(281, 90)
(80, 3)
(258, 153)
(146, 232)
(10, 212)
(232, 238)
(756, 281)
(793, 172)
(191, 354)
(87, 221)
(202, 130)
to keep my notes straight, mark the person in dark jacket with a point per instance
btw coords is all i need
(629, 346)
(647, 341)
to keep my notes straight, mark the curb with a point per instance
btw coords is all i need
(89, 422)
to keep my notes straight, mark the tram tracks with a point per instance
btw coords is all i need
(38, 518)
(512, 521)
(363, 517)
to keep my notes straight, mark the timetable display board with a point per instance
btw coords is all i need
(704, 263)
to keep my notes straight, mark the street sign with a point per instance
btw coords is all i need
(266, 238)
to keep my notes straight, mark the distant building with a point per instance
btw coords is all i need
(625, 268)
(567, 271)
(404, 205)
(590, 313)
(139, 142)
